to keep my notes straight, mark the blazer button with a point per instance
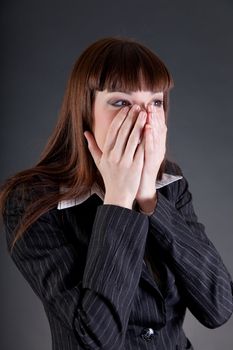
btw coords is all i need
(147, 334)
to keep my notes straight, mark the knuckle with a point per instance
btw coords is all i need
(113, 158)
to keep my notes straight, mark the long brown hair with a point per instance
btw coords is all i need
(111, 63)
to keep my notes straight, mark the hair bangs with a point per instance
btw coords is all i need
(129, 66)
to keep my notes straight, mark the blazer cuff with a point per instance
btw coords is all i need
(116, 250)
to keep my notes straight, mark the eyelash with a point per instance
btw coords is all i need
(125, 103)
(157, 103)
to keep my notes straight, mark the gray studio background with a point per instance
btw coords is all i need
(40, 42)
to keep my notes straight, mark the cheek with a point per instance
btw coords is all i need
(102, 121)
(100, 133)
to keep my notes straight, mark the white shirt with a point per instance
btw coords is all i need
(166, 180)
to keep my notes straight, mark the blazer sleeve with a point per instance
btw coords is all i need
(203, 280)
(97, 308)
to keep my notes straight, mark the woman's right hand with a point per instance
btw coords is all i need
(121, 161)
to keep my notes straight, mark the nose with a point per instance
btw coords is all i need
(144, 108)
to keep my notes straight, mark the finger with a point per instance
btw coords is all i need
(136, 136)
(138, 159)
(125, 131)
(158, 124)
(149, 143)
(114, 128)
(154, 118)
(158, 116)
(150, 115)
(93, 147)
(153, 121)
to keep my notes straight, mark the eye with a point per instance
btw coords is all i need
(120, 103)
(158, 103)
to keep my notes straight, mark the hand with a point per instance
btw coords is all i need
(155, 146)
(121, 161)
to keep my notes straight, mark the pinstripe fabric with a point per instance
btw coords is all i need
(86, 264)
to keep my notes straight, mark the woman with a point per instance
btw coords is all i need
(103, 227)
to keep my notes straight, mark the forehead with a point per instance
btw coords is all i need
(130, 94)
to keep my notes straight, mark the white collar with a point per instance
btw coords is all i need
(166, 180)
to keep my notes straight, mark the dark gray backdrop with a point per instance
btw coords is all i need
(41, 41)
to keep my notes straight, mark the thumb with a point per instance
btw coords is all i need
(93, 147)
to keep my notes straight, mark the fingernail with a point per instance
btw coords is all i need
(136, 107)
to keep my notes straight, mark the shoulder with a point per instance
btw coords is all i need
(25, 193)
(27, 209)
(177, 189)
(18, 198)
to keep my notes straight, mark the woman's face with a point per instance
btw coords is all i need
(108, 104)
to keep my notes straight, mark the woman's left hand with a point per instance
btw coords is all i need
(154, 135)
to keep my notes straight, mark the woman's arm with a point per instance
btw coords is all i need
(203, 279)
(96, 308)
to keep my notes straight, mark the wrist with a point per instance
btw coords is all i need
(147, 205)
(120, 201)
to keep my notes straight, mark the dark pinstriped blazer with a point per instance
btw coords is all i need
(87, 265)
